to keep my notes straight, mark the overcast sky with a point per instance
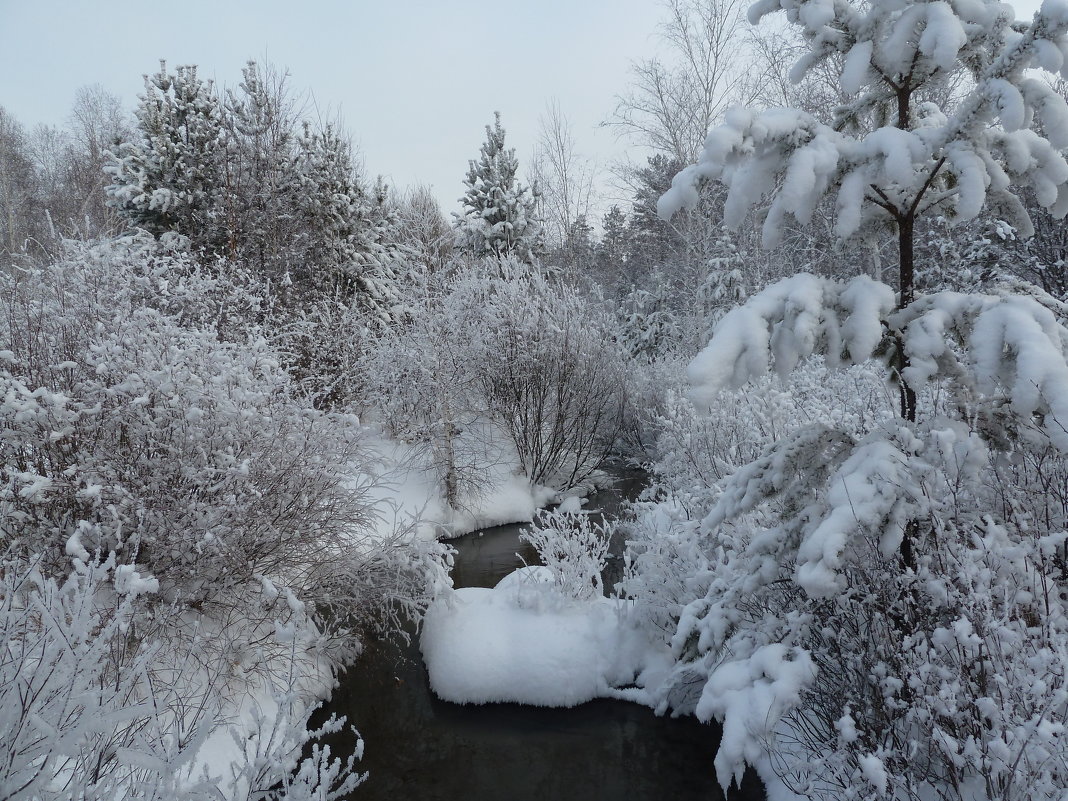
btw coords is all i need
(415, 82)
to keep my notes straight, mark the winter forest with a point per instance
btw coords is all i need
(257, 406)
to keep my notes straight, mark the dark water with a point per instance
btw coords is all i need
(423, 749)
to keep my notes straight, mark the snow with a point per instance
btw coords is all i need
(856, 68)
(130, 581)
(1015, 347)
(523, 642)
(1055, 11)
(872, 768)
(74, 547)
(407, 489)
(866, 494)
(943, 37)
(571, 505)
(847, 727)
(1050, 108)
(896, 153)
(750, 697)
(786, 322)
(1010, 102)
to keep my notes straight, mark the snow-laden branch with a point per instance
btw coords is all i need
(790, 157)
(1001, 346)
(790, 320)
(995, 346)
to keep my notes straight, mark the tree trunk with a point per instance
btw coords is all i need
(907, 294)
(446, 455)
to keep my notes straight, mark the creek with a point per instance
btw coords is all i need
(419, 747)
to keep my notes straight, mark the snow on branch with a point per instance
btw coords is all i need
(871, 492)
(927, 155)
(993, 346)
(1008, 346)
(750, 697)
(789, 321)
(790, 461)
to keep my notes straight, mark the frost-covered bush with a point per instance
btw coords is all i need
(323, 342)
(218, 526)
(89, 711)
(496, 345)
(127, 431)
(130, 426)
(649, 325)
(574, 549)
(551, 371)
(420, 378)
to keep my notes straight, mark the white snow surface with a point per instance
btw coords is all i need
(523, 642)
(407, 489)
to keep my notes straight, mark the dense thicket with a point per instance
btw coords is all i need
(178, 519)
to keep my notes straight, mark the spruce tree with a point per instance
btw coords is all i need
(498, 218)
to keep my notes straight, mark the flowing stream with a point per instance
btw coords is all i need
(421, 748)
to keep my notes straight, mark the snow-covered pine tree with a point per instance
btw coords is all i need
(651, 242)
(382, 256)
(169, 178)
(498, 217)
(330, 197)
(725, 284)
(881, 611)
(347, 233)
(612, 249)
(649, 323)
(610, 254)
(894, 153)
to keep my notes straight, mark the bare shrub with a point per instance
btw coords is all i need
(574, 549)
(551, 371)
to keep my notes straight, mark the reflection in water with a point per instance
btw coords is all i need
(420, 748)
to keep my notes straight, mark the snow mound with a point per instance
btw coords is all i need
(523, 642)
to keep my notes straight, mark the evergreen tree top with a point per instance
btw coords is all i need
(498, 217)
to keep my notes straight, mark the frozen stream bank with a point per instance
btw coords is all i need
(420, 747)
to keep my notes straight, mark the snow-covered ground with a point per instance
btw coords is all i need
(407, 488)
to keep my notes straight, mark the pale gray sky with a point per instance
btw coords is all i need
(415, 82)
